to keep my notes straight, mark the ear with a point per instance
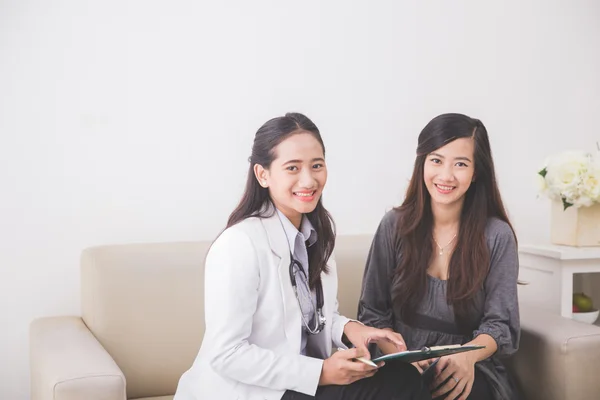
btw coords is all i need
(261, 175)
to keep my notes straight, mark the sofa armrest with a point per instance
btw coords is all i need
(68, 363)
(558, 358)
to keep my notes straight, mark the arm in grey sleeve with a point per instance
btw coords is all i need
(501, 309)
(375, 305)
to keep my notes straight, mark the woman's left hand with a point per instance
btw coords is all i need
(360, 336)
(459, 371)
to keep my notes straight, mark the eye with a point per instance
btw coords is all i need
(461, 164)
(317, 166)
(436, 161)
(292, 168)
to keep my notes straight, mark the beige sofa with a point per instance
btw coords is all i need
(142, 322)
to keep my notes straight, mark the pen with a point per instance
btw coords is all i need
(362, 359)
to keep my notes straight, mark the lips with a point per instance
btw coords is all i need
(444, 189)
(305, 195)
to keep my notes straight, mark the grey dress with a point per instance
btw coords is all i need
(496, 313)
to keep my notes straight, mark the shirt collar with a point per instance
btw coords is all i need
(306, 228)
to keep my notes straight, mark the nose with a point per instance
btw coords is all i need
(447, 173)
(307, 180)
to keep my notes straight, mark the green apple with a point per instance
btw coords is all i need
(583, 302)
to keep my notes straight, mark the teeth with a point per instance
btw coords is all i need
(304, 194)
(445, 187)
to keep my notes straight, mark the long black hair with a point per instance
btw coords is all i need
(256, 198)
(470, 260)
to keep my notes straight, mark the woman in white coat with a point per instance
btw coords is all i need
(271, 286)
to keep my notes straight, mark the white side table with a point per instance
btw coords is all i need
(550, 270)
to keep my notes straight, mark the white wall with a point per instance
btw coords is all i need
(132, 121)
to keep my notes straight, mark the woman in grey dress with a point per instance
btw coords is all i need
(443, 266)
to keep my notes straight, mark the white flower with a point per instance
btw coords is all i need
(582, 202)
(591, 182)
(564, 171)
(573, 177)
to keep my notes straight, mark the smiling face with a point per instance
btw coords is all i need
(449, 171)
(296, 177)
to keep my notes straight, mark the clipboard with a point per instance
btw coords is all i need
(426, 353)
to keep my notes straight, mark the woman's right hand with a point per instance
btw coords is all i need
(341, 369)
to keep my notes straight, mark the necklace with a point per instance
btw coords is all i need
(441, 252)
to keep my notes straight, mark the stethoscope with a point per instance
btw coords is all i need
(320, 318)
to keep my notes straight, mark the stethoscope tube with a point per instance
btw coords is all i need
(319, 317)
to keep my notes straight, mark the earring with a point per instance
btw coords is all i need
(264, 184)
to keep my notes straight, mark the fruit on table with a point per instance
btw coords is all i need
(582, 302)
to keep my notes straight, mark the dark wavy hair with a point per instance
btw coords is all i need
(256, 198)
(470, 260)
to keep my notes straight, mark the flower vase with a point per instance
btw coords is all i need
(575, 226)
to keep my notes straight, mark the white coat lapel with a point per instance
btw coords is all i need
(280, 247)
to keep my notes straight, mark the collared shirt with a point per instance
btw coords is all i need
(298, 241)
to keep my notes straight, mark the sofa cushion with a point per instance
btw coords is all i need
(558, 357)
(144, 304)
(350, 255)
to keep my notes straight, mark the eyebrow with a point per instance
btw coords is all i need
(299, 161)
(457, 158)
